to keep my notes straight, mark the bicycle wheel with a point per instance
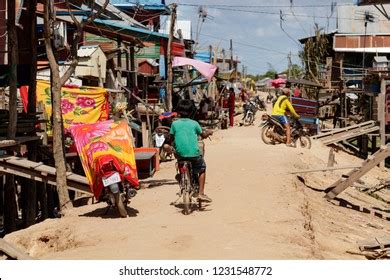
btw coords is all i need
(186, 193)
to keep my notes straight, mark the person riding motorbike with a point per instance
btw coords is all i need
(279, 112)
(184, 133)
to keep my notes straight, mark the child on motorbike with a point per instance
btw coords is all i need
(185, 133)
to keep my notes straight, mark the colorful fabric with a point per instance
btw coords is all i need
(107, 138)
(186, 132)
(79, 105)
(206, 69)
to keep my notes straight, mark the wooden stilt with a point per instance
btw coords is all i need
(10, 210)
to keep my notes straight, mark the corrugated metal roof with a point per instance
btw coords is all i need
(86, 51)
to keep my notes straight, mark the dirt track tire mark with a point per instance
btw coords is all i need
(308, 222)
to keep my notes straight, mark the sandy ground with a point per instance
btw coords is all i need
(260, 211)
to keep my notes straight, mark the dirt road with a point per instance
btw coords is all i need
(259, 212)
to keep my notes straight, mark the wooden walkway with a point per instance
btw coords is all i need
(349, 132)
(39, 172)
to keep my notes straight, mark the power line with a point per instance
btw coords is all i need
(263, 6)
(231, 8)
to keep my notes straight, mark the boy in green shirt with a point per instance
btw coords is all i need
(185, 133)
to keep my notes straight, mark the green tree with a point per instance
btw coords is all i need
(297, 71)
(314, 52)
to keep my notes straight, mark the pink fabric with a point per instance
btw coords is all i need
(278, 82)
(206, 69)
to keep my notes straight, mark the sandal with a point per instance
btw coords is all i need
(205, 198)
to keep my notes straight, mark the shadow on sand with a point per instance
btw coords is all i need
(110, 213)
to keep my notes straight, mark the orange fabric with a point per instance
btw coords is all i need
(107, 138)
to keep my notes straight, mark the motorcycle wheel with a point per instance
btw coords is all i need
(305, 142)
(248, 119)
(267, 140)
(119, 205)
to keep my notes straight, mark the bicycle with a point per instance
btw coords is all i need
(189, 186)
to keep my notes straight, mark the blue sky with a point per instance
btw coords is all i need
(254, 26)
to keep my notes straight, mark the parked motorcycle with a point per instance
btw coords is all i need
(250, 109)
(162, 142)
(274, 132)
(116, 189)
(269, 97)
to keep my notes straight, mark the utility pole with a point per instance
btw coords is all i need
(169, 58)
(231, 55)
(223, 60)
(187, 77)
(211, 54)
(289, 64)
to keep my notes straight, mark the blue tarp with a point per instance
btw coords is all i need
(148, 4)
(203, 56)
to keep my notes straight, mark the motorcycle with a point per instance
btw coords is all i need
(273, 131)
(161, 141)
(250, 109)
(116, 189)
(269, 98)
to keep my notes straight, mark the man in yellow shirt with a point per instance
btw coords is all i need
(279, 113)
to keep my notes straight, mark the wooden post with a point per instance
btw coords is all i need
(10, 211)
(30, 210)
(329, 62)
(132, 67)
(32, 89)
(382, 115)
(13, 64)
(51, 200)
(145, 138)
(169, 58)
(2, 201)
(30, 189)
(42, 198)
(119, 57)
(128, 74)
